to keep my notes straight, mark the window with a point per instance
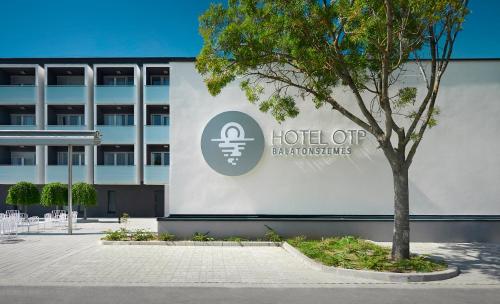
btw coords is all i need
(160, 158)
(22, 119)
(160, 119)
(78, 158)
(70, 119)
(119, 158)
(111, 201)
(159, 80)
(70, 80)
(119, 119)
(118, 80)
(22, 158)
(22, 80)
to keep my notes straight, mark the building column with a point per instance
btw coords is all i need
(89, 122)
(40, 124)
(139, 143)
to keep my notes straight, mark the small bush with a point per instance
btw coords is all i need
(23, 193)
(236, 239)
(54, 194)
(124, 218)
(202, 237)
(165, 236)
(272, 236)
(117, 235)
(142, 235)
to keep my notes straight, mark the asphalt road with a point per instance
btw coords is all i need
(217, 295)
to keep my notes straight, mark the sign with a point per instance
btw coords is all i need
(232, 143)
(315, 142)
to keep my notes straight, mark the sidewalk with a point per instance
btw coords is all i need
(55, 259)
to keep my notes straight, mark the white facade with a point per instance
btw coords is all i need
(456, 170)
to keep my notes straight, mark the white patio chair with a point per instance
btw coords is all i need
(47, 220)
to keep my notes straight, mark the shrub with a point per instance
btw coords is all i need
(23, 194)
(117, 235)
(236, 239)
(142, 235)
(54, 194)
(272, 236)
(202, 237)
(85, 195)
(124, 218)
(165, 236)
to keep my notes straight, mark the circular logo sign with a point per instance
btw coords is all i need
(232, 143)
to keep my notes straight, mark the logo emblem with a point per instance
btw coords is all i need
(232, 143)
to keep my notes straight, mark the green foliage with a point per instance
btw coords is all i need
(236, 239)
(124, 218)
(23, 193)
(84, 194)
(165, 236)
(117, 235)
(353, 253)
(202, 237)
(142, 235)
(54, 194)
(308, 47)
(272, 236)
(406, 97)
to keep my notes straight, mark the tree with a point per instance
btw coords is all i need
(23, 194)
(84, 194)
(54, 194)
(282, 49)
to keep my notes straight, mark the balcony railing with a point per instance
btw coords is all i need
(10, 174)
(66, 127)
(156, 94)
(60, 174)
(156, 175)
(17, 127)
(117, 134)
(66, 94)
(156, 134)
(115, 175)
(12, 94)
(115, 94)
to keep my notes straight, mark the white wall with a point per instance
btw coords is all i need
(455, 171)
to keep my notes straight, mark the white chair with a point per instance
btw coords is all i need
(47, 220)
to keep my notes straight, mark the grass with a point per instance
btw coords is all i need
(354, 253)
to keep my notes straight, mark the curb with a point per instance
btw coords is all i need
(192, 243)
(449, 273)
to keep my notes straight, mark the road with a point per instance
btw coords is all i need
(217, 295)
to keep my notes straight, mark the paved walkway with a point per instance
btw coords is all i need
(53, 258)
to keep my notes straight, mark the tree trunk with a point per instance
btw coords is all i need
(84, 212)
(401, 233)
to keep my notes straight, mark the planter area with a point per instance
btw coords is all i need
(349, 256)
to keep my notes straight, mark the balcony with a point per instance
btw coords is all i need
(64, 94)
(18, 127)
(156, 94)
(60, 174)
(66, 127)
(126, 94)
(156, 175)
(156, 134)
(115, 175)
(117, 134)
(16, 94)
(12, 174)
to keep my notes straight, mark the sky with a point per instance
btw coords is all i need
(145, 28)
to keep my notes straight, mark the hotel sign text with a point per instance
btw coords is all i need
(315, 142)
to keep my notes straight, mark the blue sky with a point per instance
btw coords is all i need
(130, 28)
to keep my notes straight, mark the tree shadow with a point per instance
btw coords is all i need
(483, 258)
